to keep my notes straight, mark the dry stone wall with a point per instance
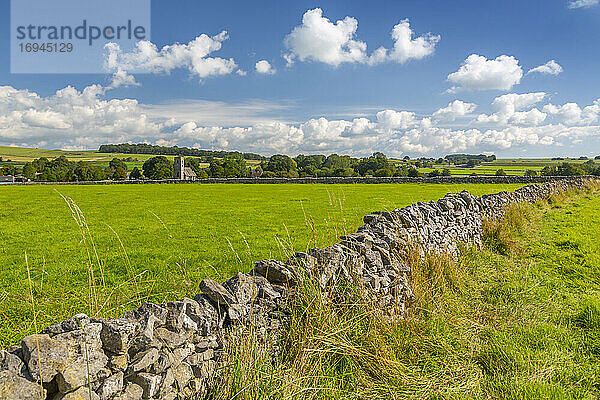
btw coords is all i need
(173, 350)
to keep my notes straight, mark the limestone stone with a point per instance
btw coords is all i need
(275, 272)
(149, 383)
(15, 387)
(111, 386)
(216, 292)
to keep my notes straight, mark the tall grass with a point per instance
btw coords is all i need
(481, 327)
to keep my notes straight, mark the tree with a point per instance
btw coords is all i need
(500, 172)
(413, 172)
(434, 173)
(281, 165)
(119, 174)
(376, 162)
(29, 171)
(8, 170)
(383, 172)
(233, 166)
(158, 168)
(530, 172)
(136, 174)
(446, 172)
(117, 163)
(195, 164)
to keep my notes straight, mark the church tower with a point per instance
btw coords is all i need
(178, 166)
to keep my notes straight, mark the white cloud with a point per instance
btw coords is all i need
(507, 110)
(456, 108)
(582, 3)
(550, 68)
(319, 39)
(122, 78)
(70, 118)
(406, 48)
(73, 119)
(391, 119)
(479, 73)
(264, 67)
(572, 114)
(193, 56)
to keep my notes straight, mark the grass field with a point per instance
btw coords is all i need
(518, 320)
(158, 241)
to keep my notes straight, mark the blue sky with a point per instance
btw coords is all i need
(325, 102)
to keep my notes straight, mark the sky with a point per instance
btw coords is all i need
(417, 78)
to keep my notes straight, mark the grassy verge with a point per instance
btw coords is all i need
(519, 319)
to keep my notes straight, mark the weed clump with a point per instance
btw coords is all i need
(500, 234)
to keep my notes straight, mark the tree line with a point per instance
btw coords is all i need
(203, 155)
(235, 165)
(60, 169)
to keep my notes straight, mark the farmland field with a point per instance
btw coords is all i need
(158, 241)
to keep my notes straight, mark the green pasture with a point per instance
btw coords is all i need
(156, 242)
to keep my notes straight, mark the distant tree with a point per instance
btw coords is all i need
(233, 166)
(59, 169)
(281, 165)
(472, 163)
(500, 172)
(568, 169)
(117, 163)
(530, 172)
(383, 172)
(29, 171)
(446, 172)
(434, 173)
(376, 162)
(195, 164)
(406, 158)
(136, 174)
(158, 168)
(597, 158)
(413, 172)
(119, 174)
(8, 170)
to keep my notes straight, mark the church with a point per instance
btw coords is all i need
(180, 171)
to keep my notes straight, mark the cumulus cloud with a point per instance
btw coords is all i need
(319, 39)
(264, 67)
(70, 118)
(582, 3)
(390, 119)
(572, 114)
(193, 56)
(405, 47)
(479, 73)
(122, 79)
(83, 119)
(455, 109)
(550, 68)
(507, 110)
